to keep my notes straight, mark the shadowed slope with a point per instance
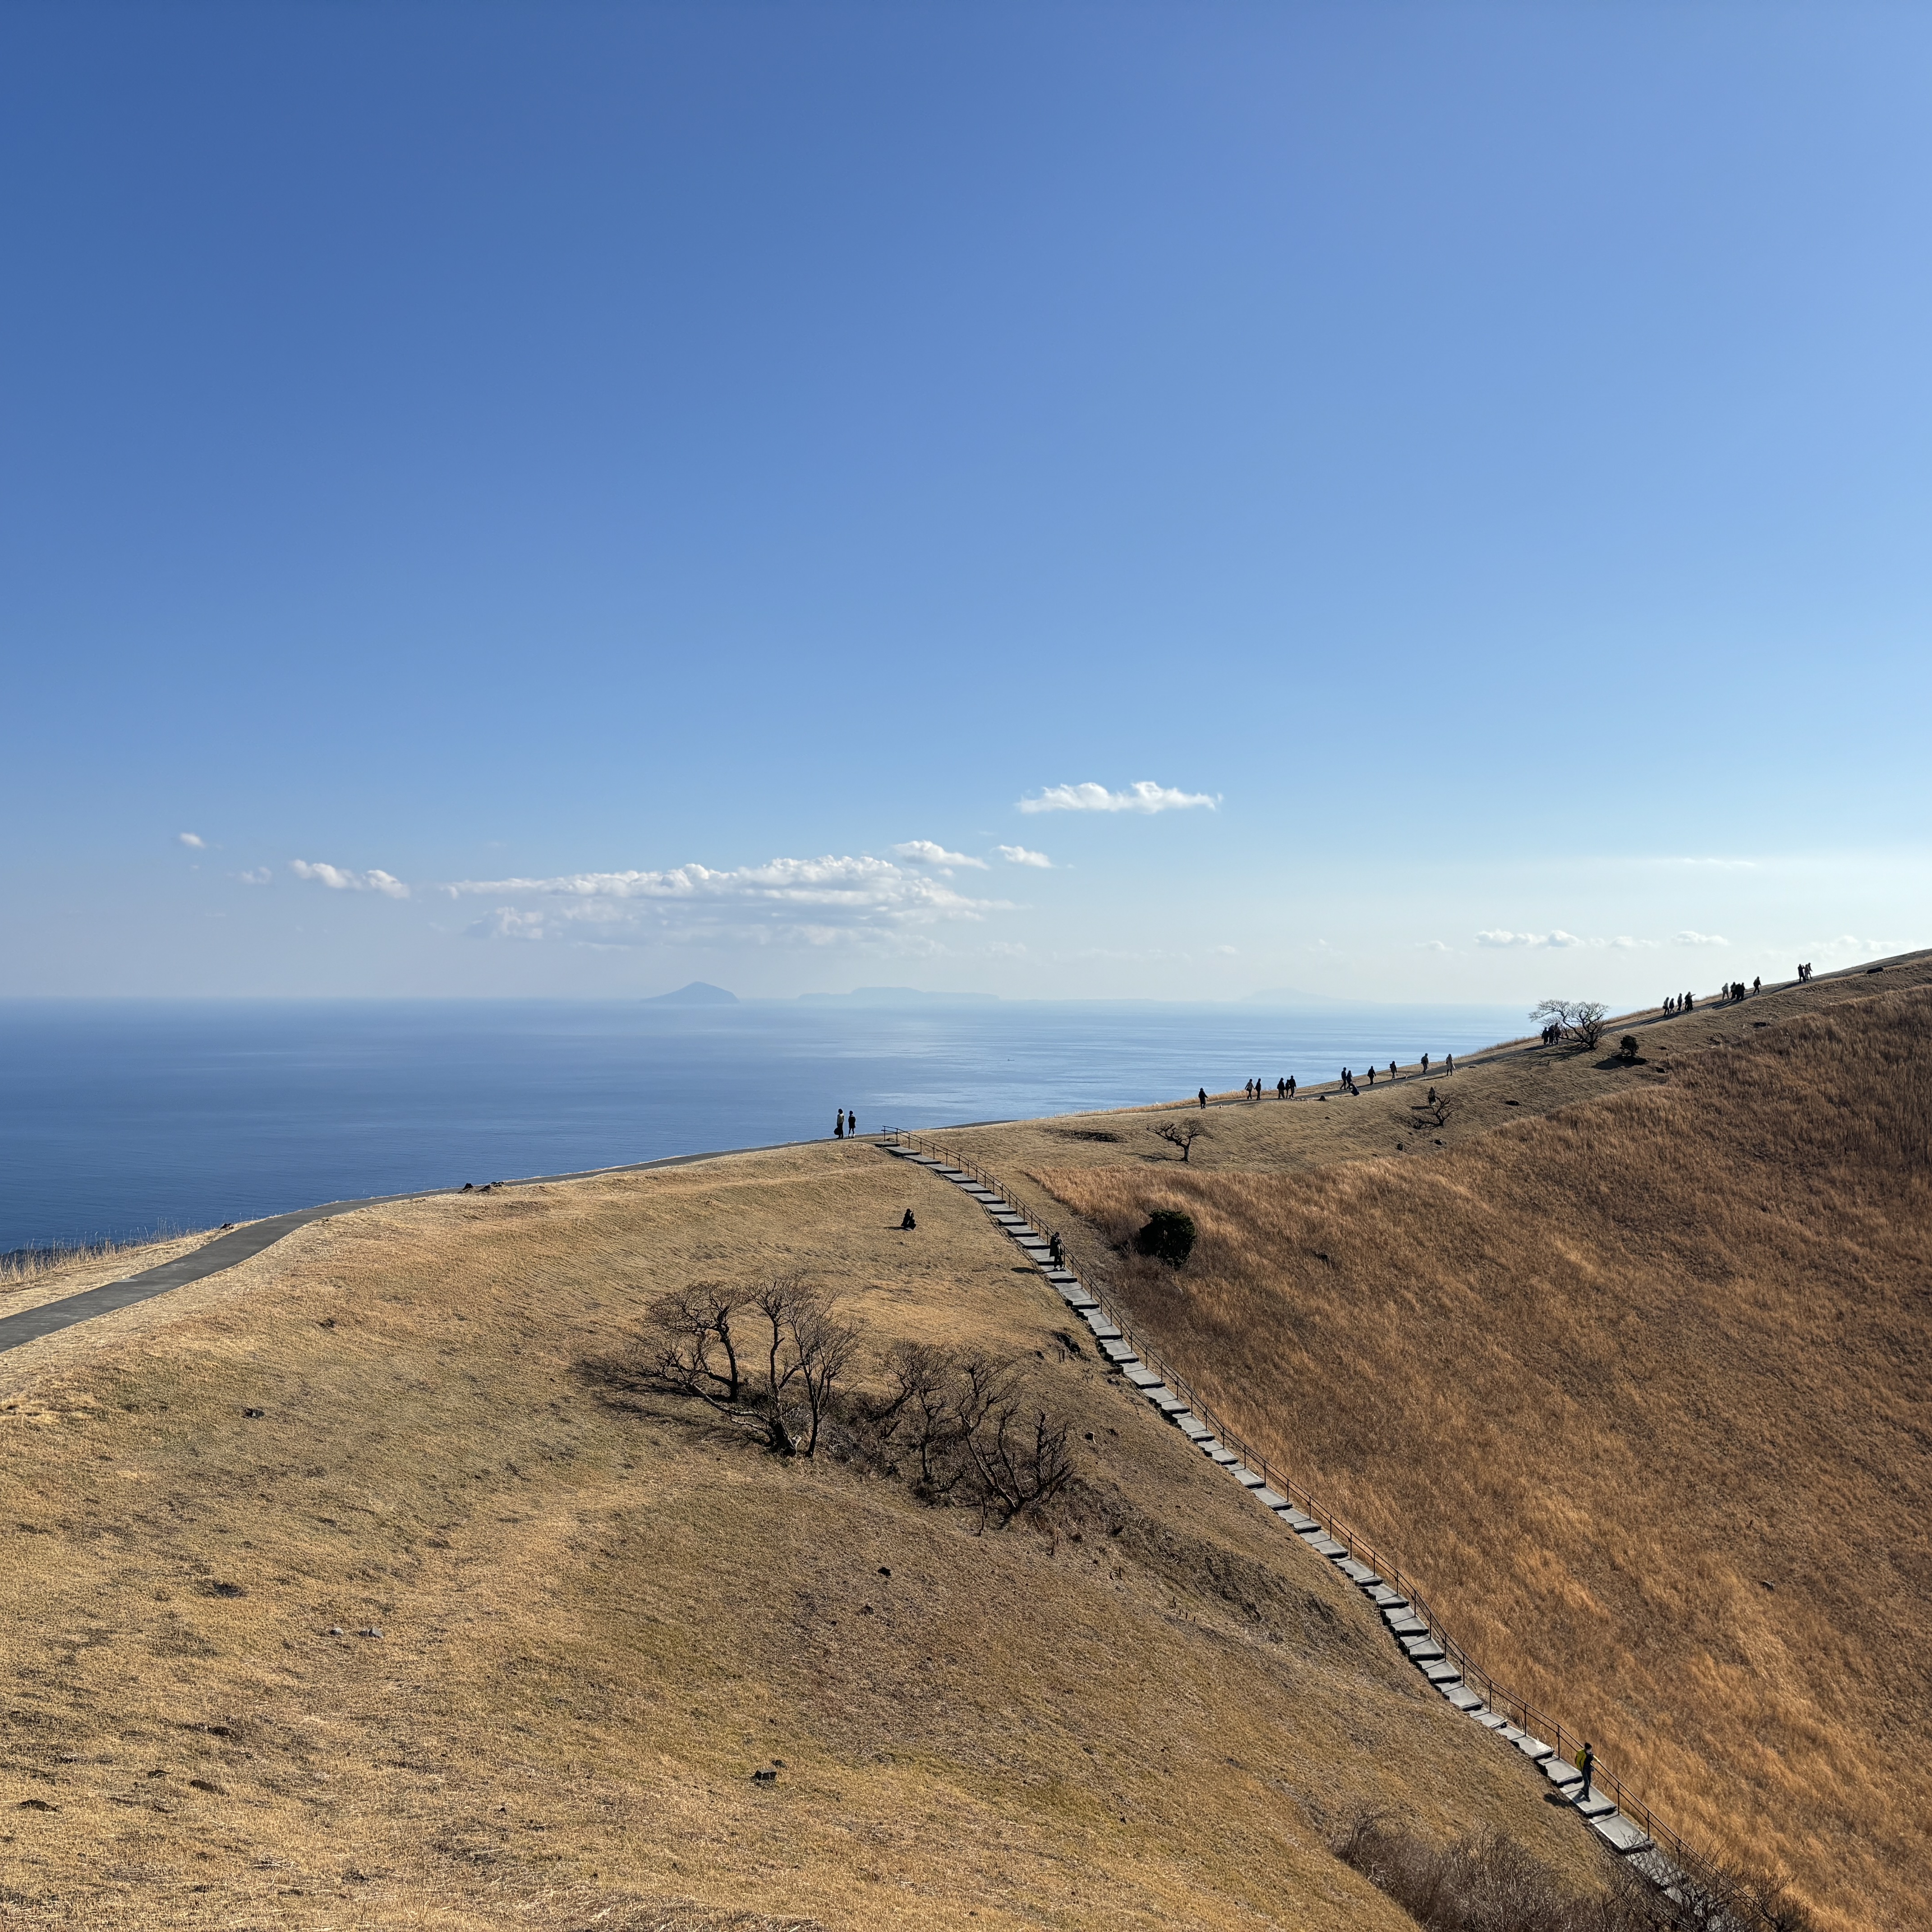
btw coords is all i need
(1638, 1390)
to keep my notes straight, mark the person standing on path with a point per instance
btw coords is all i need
(1291, 1086)
(1425, 1065)
(1391, 1071)
(1057, 1249)
(839, 1132)
(851, 1124)
(1202, 1097)
(1449, 1061)
(1586, 1762)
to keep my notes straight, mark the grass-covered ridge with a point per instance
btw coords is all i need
(1635, 1385)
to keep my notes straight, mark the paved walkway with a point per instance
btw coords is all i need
(1620, 1833)
(226, 1250)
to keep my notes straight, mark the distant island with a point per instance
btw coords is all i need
(698, 994)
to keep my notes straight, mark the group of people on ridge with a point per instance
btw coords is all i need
(1285, 1089)
(1736, 989)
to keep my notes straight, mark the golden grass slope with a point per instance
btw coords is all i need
(597, 1622)
(1490, 1089)
(1638, 1389)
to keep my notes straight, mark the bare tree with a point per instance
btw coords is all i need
(1437, 1108)
(1586, 1022)
(1020, 1456)
(914, 1419)
(1581, 1019)
(1182, 1134)
(770, 1359)
(957, 1424)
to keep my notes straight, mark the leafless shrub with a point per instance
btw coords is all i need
(769, 1358)
(1435, 1109)
(1182, 1134)
(958, 1425)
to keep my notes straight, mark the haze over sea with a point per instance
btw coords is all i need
(118, 1117)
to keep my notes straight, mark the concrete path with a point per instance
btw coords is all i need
(226, 1250)
(1422, 1645)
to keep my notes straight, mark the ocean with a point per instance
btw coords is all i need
(121, 1117)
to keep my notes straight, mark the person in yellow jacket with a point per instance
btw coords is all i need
(1586, 1762)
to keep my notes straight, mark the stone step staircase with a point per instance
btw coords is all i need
(1624, 1835)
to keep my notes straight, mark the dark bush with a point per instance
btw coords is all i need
(1168, 1237)
(1627, 1046)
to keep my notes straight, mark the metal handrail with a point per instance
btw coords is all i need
(1565, 1741)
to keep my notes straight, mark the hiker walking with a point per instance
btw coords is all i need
(1372, 1073)
(1291, 1086)
(1586, 1762)
(1057, 1249)
(1449, 1061)
(839, 1132)
(1425, 1065)
(1202, 1097)
(1391, 1070)
(1757, 983)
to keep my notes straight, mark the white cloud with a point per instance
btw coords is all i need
(825, 902)
(1143, 795)
(1227, 952)
(193, 839)
(260, 875)
(1018, 855)
(337, 880)
(924, 852)
(1700, 939)
(507, 922)
(1559, 940)
(1432, 946)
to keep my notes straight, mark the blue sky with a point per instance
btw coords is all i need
(1405, 503)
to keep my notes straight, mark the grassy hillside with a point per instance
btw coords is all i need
(1633, 1375)
(600, 1615)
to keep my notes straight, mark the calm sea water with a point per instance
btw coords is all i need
(118, 1116)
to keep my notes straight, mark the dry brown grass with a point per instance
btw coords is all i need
(1638, 1390)
(108, 1258)
(597, 1622)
